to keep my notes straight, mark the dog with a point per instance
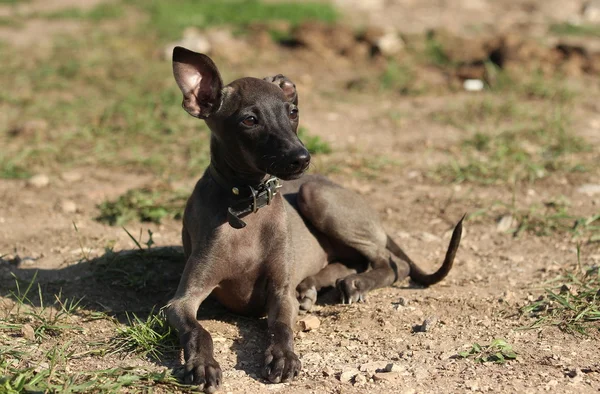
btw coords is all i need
(258, 234)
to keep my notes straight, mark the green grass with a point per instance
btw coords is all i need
(398, 77)
(170, 18)
(434, 52)
(569, 29)
(108, 102)
(512, 140)
(551, 219)
(100, 12)
(571, 301)
(313, 143)
(145, 205)
(151, 337)
(36, 314)
(498, 351)
(18, 377)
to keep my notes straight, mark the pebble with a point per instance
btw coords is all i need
(391, 367)
(429, 323)
(591, 11)
(360, 380)
(372, 367)
(385, 376)
(473, 85)
(68, 206)
(575, 374)
(347, 376)
(403, 301)
(39, 181)
(428, 237)
(309, 322)
(505, 223)
(28, 332)
(390, 44)
(328, 371)
(71, 176)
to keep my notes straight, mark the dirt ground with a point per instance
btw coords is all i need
(51, 231)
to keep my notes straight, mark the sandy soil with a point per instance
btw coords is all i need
(494, 273)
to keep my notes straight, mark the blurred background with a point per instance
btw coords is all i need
(430, 109)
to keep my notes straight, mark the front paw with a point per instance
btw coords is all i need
(205, 373)
(281, 365)
(200, 366)
(352, 289)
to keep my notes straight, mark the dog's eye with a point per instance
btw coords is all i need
(250, 121)
(294, 114)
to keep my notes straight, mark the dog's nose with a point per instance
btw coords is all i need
(299, 160)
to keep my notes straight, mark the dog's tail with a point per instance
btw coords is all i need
(416, 273)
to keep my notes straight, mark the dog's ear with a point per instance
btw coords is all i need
(288, 87)
(199, 81)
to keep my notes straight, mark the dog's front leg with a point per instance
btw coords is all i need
(281, 363)
(201, 368)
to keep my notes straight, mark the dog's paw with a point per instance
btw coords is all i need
(307, 296)
(352, 289)
(200, 366)
(281, 365)
(206, 374)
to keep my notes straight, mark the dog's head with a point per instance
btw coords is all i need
(255, 120)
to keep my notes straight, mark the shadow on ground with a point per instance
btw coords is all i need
(137, 281)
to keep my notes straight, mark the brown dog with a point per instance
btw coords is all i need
(293, 240)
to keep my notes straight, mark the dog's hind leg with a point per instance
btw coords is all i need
(345, 217)
(306, 292)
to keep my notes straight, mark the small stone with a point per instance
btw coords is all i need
(389, 44)
(39, 181)
(385, 376)
(68, 206)
(328, 372)
(591, 11)
(471, 385)
(575, 375)
(429, 323)
(372, 367)
(403, 301)
(552, 383)
(428, 237)
(346, 376)
(360, 380)
(589, 189)
(309, 322)
(391, 367)
(28, 332)
(71, 176)
(420, 373)
(473, 85)
(505, 223)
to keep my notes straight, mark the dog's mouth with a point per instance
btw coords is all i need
(290, 174)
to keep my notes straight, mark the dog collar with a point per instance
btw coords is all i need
(257, 196)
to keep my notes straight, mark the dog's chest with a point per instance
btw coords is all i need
(249, 260)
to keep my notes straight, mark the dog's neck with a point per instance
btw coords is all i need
(229, 177)
(246, 193)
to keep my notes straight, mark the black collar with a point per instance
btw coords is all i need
(245, 199)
